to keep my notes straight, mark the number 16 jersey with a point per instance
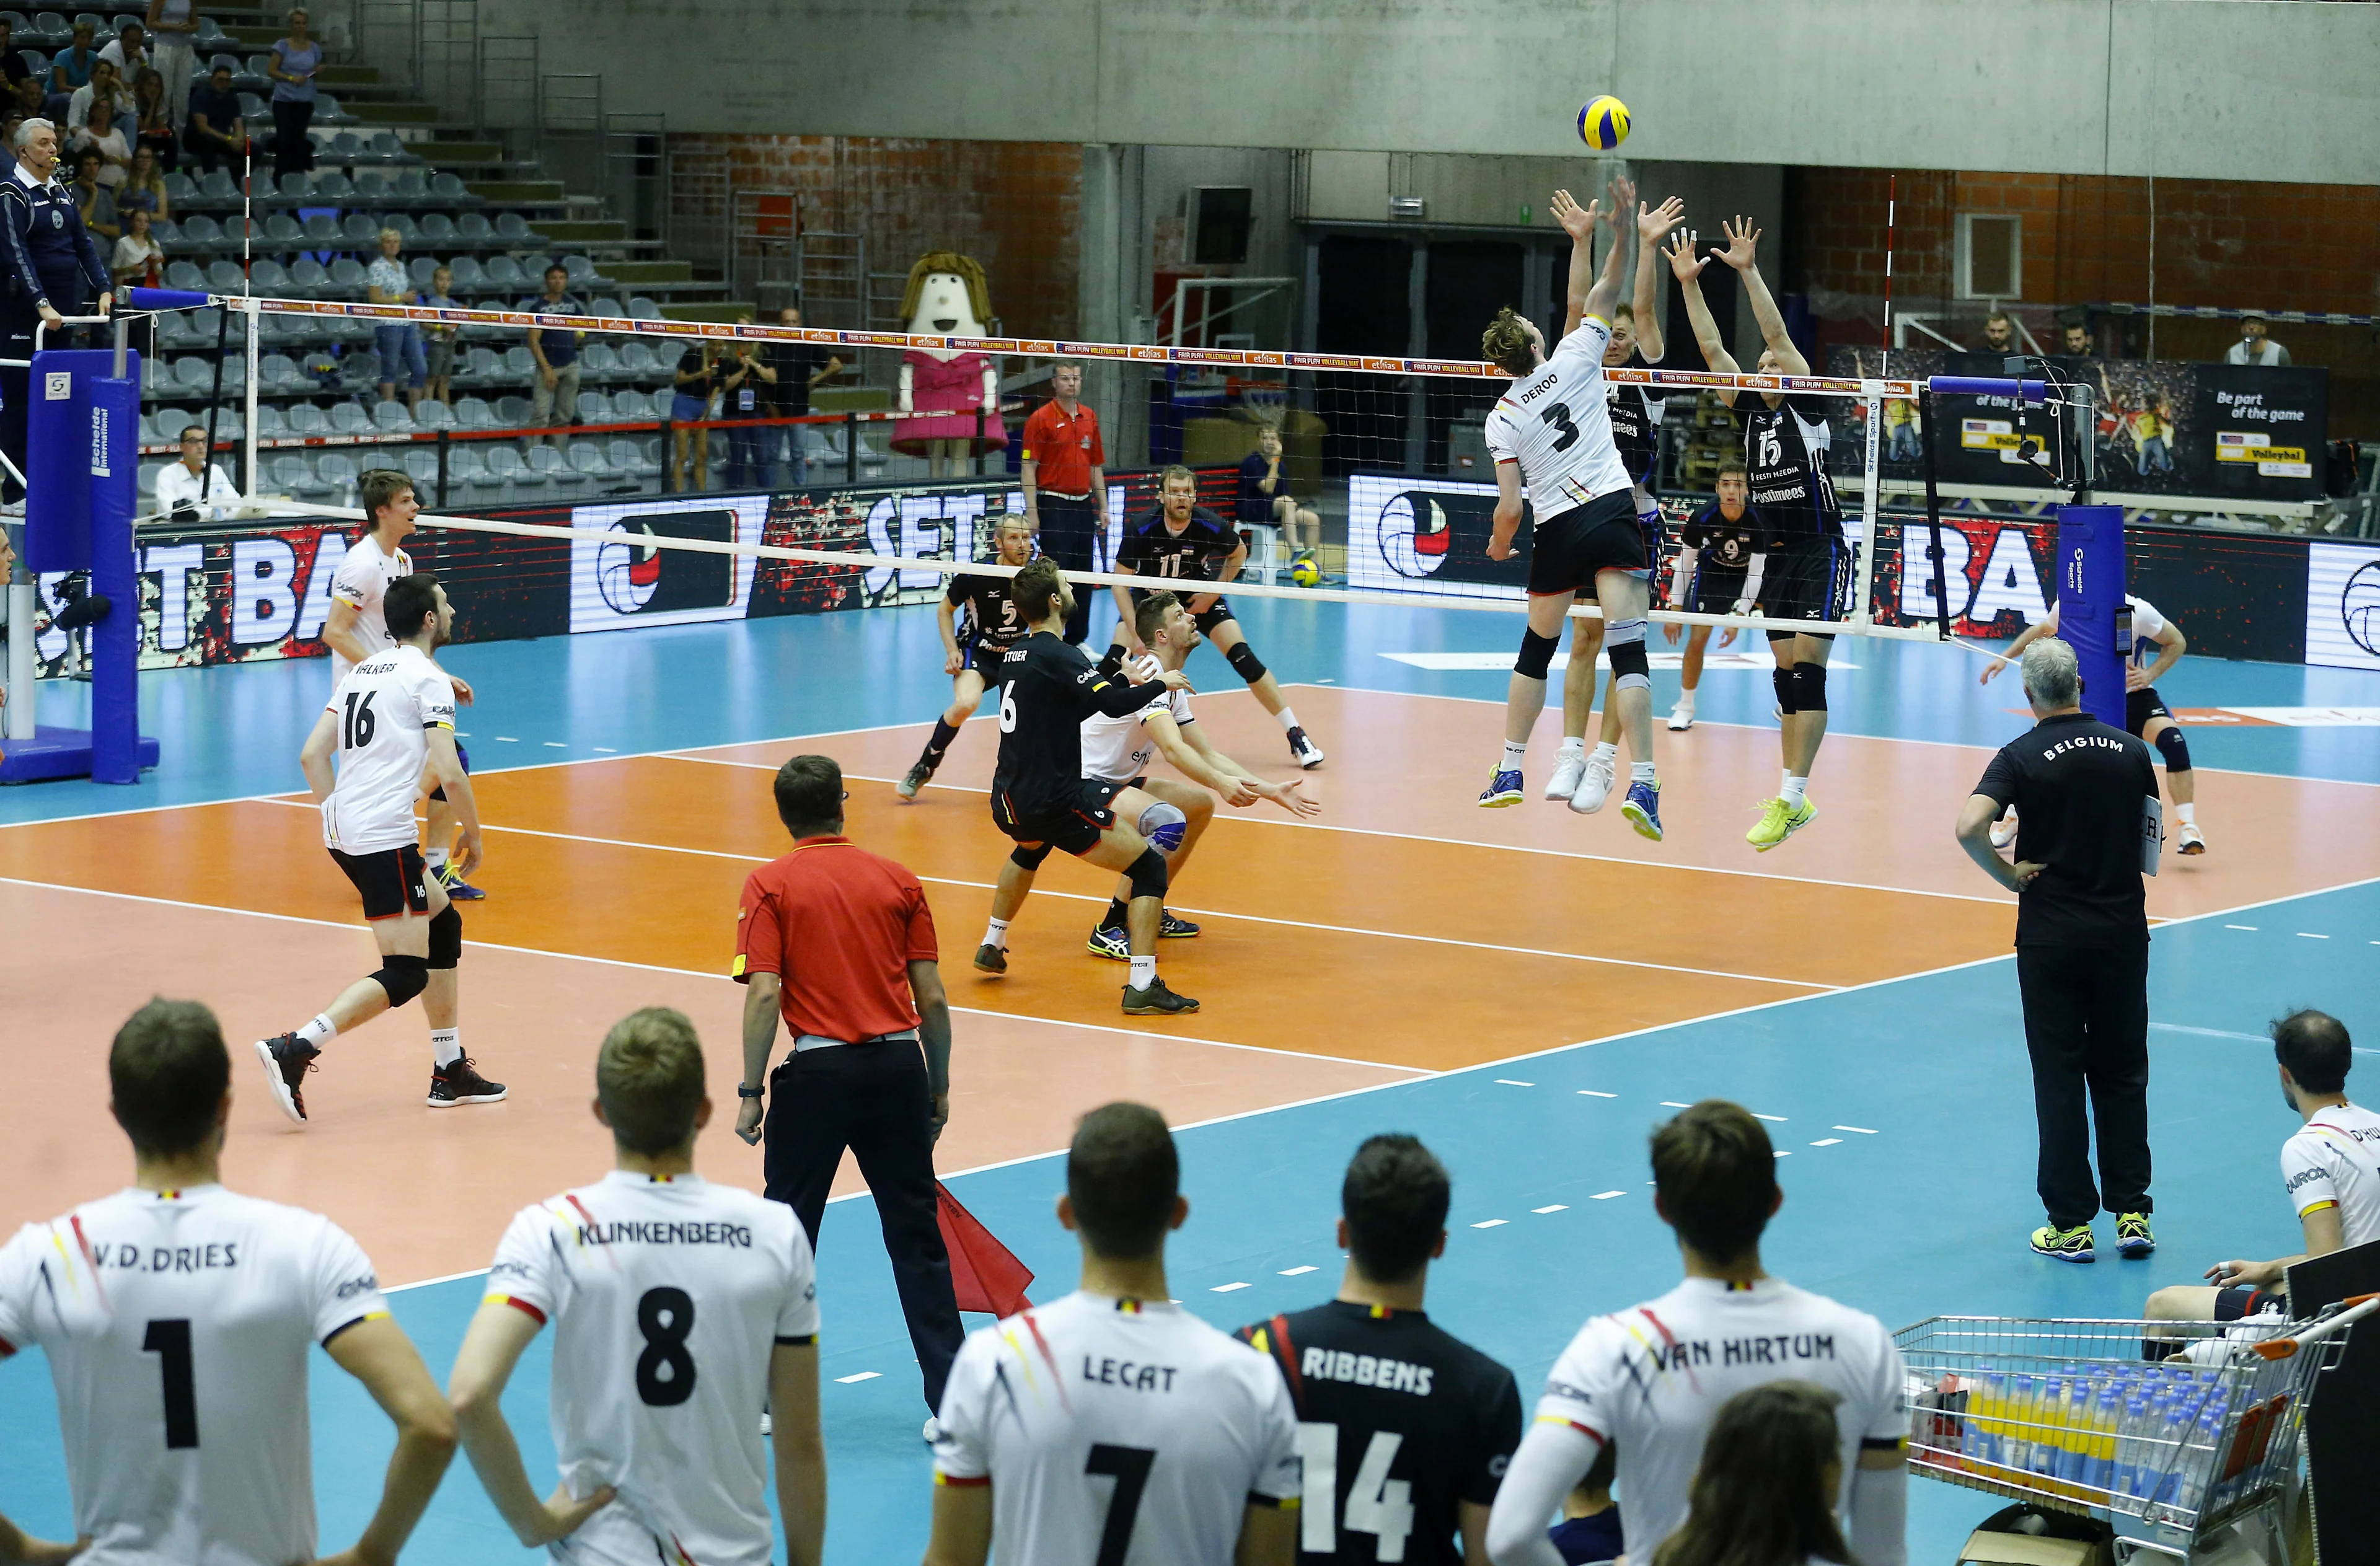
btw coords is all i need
(1556, 423)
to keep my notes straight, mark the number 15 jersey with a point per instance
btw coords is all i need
(1556, 423)
(1116, 1433)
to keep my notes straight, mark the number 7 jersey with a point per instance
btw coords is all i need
(1556, 423)
(1116, 1433)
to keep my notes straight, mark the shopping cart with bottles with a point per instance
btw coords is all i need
(2073, 1415)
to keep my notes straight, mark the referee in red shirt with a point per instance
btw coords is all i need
(843, 943)
(1066, 484)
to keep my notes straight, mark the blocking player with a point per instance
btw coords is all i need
(1551, 432)
(178, 1318)
(1112, 1425)
(680, 1310)
(392, 717)
(1389, 1404)
(1580, 777)
(1183, 541)
(2145, 713)
(1117, 750)
(1649, 1379)
(1728, 582)
(1040, 799)
(356, 628)
(972, 657)
(1809, 570)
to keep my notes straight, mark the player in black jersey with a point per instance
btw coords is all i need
(1040, 799)
(1405, 1429)
(1636, 344)
(1808, 568)
(1723, 552)
(971, 653)
(1183, 542)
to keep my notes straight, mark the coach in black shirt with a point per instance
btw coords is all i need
(2088, 828)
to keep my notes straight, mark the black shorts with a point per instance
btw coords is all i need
(393, 880)
(1070, 826)
(1649, 523)
(462, 756)
(981, 656)
(1716, 588)
(1808, 579)
(2240, 1302)
(1570, 546)
(2142, 705)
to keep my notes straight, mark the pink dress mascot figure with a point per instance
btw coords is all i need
(943, 390)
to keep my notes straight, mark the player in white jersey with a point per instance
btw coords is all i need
(1552, 432)
(2145, 713)
(2330, 1169)
(1117, 750)
(358, 627)
(1650, 1378)
(392, 717)
(177, 1317)
(1112, 1425)
(681, 1310)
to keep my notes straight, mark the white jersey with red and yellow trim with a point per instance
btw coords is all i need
(2334, 1160)
(1120, 749)
(668, 1298)
(385, 710)
(177, 1325)
(1119, 1431)
(1556, 423)
(361, 582)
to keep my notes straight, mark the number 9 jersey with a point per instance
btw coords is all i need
(1557, 424)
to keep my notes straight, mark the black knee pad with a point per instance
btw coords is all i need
(1810, 687)
(2175, 749)
(402, 978)
(1536, 655)
(1245, 664)
(1624, 645)
(446, 937)
(1788, 687)
(1148, 875)
(1028, 859)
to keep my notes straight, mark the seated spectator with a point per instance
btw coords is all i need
(2254, 346)
(144, 189)
(9, 127)
(213, 136)
(70, 68)
(2075, 326)
(13, 69)
(438, 341)
(129, 53)
(697, 376)
(1765, 1489)
(156, 112)
(1264, 498)
(103, 80)
(1999, 332)
(31, 95)
(92, 198)
(103, 137)
(2330, 1169)
(178, 486)
(1589, 1530)
(554, 398)
(386, 282)
(139, 260)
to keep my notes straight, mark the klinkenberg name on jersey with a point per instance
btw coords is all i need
(177, 1325)
(1119, 749)
(667, 1298)
(1557, 425)
(1119, 1431)
(385, 709)
(1651, 1378)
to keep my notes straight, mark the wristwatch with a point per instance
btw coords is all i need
(744, 1091)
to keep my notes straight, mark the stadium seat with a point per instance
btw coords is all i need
(421, 269)
(636, 358)
(631, 405)
(519, 364)
(512, 412)
(272, 423)
(643, 308)
(349, 418)
(283, 231)
(473, 228)
(279, 373)
(293, 474)
(438, 229)
(166, 424)
(581, 270)
(503, 272)
(186, 275)
(405, 226)
(252, 109)
(411, 187)
(448, 187)
(333, 184)
(328, 112)
(180, 188)
(599, 361)
(432, 414)
(359, 232)
(360, 372)
(467, 479)
(306, 418)
(249, 76)
(585, 458)
(555, 468)
(268, 276)
(308, 276)
(224, 277)
(473, 413)
(506, 466)
(337, 470)
(347, 279)
(200, 232)
(192, 375)
(627, 460)
(296, 189)
(371, 188)
(391, 418)
(594, 408)
(422, 463)
(322, 232)
(346, 147)
(387, 147)
(514, 228)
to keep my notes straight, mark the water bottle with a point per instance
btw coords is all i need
(2106, 1424)
(2130, 1445)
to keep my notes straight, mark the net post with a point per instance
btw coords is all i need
(214, 405)
(1863, 614)
(442, 469)
(851, 445)
(248, 427)
(1933, 514)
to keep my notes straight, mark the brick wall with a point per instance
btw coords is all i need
(1013, 205)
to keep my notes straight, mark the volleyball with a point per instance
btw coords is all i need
(1304, 573)
(1603, 124)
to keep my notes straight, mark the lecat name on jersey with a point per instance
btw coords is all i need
(1130, 1374)
(1366, 1370)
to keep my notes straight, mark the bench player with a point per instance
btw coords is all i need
(1552, 432)
(1183, 542)
(680, 1310)
(1113, 1425)
(1118, 749)
(392, 717)
(1722, 555)
(2145, 713)
(1040, 799)
(972, 657)
(178, 1317)
(1809, 570)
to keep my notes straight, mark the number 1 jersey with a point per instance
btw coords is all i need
(1116, 1433)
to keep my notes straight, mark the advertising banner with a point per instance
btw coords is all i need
(2342, 625)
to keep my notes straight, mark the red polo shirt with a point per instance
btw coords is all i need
(1062, 450)
(839, 925)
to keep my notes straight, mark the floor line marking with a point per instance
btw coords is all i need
(1606, 1196)
(1673, 1104)
(1491, 1223)
(1591, 1093)
(863, 1376)
(1780, 1119)
(1558, 1206)
(1297, 1271)
(1827, 1142)
(1511, 1082)
(1227, 1288)
(1863, 1130)
(2239, 926)
(2309, 935)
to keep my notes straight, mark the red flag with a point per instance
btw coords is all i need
(983, 1274)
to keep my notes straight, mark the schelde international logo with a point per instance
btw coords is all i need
(629, 567)
(2359, 607)
(1413, 535)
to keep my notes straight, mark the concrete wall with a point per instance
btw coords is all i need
(2272, 89)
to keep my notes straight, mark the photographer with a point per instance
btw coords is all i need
(193, 487)
(746, 382)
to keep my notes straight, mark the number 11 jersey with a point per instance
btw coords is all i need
(1556, 423)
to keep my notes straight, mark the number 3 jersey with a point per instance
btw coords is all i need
(1398, 1423)
(667, 1296)
(177, 1325)
(1116, 1433)
(1556, 423)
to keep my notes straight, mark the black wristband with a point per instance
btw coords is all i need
(744, 1092)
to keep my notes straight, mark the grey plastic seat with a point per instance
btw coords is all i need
(519, 364)
(513, 227)
(347, 278)
(186, 275)
(473, 227)
(223, 278)
(391, 418)
(469, 278)
(625, 457)
(307, 419)
(508, 467)
(371, 188)
(200, 232)
(432, 414)
(643, 308)
(268, 276)
(636, 358)
(308, 276)
(585, 458)
(283, 231)
(322, 232)
(438, 229)
(556, 468)
(347, 418)
(599, 361)
(333, 184)
(503, 272)
(337, 471)
(473, 413)
(512, 412)
(272, 423)
(280, 372)
(358, 232)
(594, 408)
(293, 473)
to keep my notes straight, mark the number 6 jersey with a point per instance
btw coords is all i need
(668, 1296)
(1116, 1433)
(1556, 423)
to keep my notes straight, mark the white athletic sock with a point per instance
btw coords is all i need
(1795, 791)
(1144, 971)
(996, 934)
(2189, 814)
(1288, 718)
(434, 857)
(1641, 771)
(1515, 752)
(319, 1032)
(1685, 701)
(1572, 745)
(1784, 782)
(446, 1043)
(1607, 753)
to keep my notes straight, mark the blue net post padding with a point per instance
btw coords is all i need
(2091, 604)
(170, 299)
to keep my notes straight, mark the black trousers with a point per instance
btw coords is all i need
(1070, 533)
(2087, 1026)
(18, 319)
(873, 1100)
(293, 150)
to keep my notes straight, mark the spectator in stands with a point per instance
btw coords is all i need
(799, 368)
(178, 486)
(295, 60)
(438, 341)
(386, 282)
(70, 68)
(13, 69)
(745, 377)
(104, 78)
(100, 134)
(213, 134)
(32, 94)
(129, 53)
(174, 32)
(2254, 346)
(1999, 332)
(1264, 498)
(2076, 328)
(554, 398)
(93, 200)
(155, 113)
(697, 376)
(144, 189)
(139, 260)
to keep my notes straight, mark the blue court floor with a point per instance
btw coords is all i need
(1904, 1106)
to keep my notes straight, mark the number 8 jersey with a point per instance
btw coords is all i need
(1116, 1433)
(1557, 424)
